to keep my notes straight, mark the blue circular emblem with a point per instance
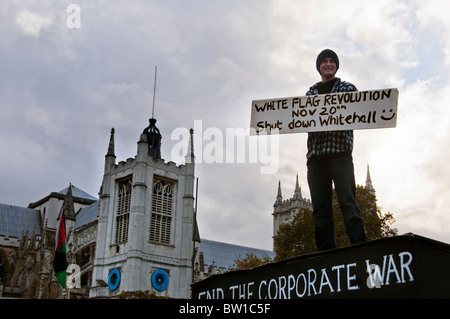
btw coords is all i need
(114, 279)
(160, 280)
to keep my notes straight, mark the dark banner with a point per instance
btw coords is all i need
(407, 266)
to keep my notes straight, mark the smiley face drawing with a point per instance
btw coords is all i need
(383, 117)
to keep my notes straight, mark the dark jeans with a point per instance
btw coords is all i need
(322, 170)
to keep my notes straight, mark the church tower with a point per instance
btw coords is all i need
(284, 211)
(145, 234)
(369, 185)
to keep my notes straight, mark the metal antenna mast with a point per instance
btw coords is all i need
(154, 93)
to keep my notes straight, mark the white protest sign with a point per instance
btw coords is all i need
(326, 112)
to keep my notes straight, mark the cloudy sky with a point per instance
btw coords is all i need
(66, 82)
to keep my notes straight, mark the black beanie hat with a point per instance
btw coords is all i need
(327, 53)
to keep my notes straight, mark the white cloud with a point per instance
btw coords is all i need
(434, 15)
(32, 23)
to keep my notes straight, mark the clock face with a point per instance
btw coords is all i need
(114, 279)
(160, 280)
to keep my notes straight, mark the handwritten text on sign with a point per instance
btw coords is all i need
(326, 112)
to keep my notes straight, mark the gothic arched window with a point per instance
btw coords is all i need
(123, 210)
(161, 216)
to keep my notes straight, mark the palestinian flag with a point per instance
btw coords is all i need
(60, 262)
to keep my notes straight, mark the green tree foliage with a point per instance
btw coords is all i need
(250, 261)
(297, 238)
(138, 294)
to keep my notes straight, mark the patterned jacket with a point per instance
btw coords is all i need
(330, 142)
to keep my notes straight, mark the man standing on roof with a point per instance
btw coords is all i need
(329, 159)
